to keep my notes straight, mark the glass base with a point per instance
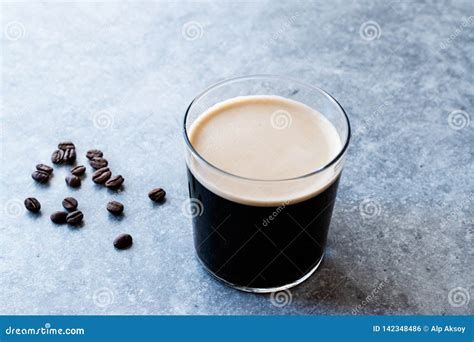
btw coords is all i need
(263, 290)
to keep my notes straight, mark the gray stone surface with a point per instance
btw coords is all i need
(119, 76)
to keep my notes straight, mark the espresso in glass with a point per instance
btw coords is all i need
(263, 171)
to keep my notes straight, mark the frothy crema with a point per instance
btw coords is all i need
(269, 139)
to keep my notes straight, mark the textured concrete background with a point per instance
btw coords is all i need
(118, 76)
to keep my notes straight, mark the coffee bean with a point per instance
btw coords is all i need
(44, 168)
(115, 207)
(69, 155)
(94, 154)
(78, 170)
(57, 157)
(66, 145)
(123, 241)
(32, 204)
(70, 203)
(98, 162)
(59, 217)
(40, 176)
(73, 181)
(157, 195)
(101, 175)
(75, 217)
(115, 182)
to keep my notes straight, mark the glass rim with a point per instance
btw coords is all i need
(278, 77)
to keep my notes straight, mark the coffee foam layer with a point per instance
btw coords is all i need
(269, 138)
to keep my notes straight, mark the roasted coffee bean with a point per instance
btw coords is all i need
(69, 155)
(115, 182)
(32, 204)
(66, 145)
(101, 175)
(98, 162)
(78, 170)
(115, 207)
(70, 203)
(40, 176)
(59, 217)
(44, 168)
(94, 154)
(73, 181)
(75, 217)
(57, 157)
(123, 241)
(157, 195)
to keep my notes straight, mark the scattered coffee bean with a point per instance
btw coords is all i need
(73, 181)
(78, 170)
(40, 176)
(59, 217)
(101, 175)
(115, 182)
(115, 207)
(157, 195)
(44, 168)
(70, 203)
(66, 145)
(99, 162)
(123, 241)
(57, 157)
(75, 217)
(69, 155)
(94, 154)
(32, 204)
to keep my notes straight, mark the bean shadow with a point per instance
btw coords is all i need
(116, 218)
(154, 204)
(34, 216)
(43, 186)
(76, 227)
(115, 190)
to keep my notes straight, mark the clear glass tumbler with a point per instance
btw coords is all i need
(231, 238)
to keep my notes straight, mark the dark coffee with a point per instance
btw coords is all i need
(260, 247)
(263, 176)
